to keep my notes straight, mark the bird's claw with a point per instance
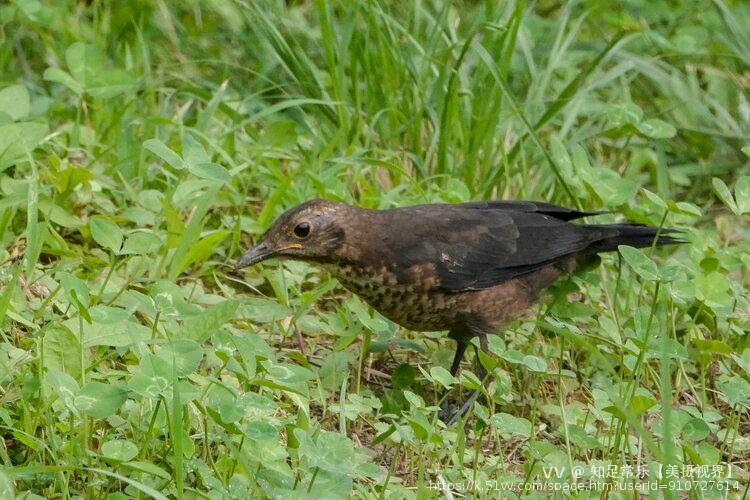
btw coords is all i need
(449, 416)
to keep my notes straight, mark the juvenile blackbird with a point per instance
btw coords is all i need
(467, 268)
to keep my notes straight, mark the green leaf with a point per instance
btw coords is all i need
(265, 310)
(148, 468)
(742, 194)
(259, 430)
(383, 436)
(331, 451)
(252, 347)
(722, 191)
(443, 376)
(191, 232)
(713, 346)
(496, 345)
(14, 101)
(64, 386)
(656, 129)
(202, 250)
(535, 363)
(120, 334)
(538, 450)
(193, 151)
(513, 356)
(674, 348)
(287, 372)
(685, 208)
(87, 69)
(165, 153)
(100, 400)
(369, 321)
(655, 199)
(106, 233)
(119, 450)
(736, 390)
(639, 261)
(152, 379)
(403, 376)
(510, 425)
(561, 156)
(470, 381)
(110, 315)
(19, 139)
(83, 60)
(57, 75)
(743, 361)
(579, 438)
(639, 404)
(457, 191)
(59, 215)
(609, 186)
(62, 350)
(189, 190)
(141, 243)
(414, 399)
(419, 423)
(714, 290)
(626, 113)
(187, 355)
(201, 327)
(695, 429)
(7, 490)
(210, 171)
(75, 288)
(111, 83)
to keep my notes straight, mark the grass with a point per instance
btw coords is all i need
(144, 145)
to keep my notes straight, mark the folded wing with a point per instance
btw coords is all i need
(479, 245)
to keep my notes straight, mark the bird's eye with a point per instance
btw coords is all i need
(302, 230)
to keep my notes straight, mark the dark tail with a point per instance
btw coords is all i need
(634, 235)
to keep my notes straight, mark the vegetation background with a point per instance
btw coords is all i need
(145, 144)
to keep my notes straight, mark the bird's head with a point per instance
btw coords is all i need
(311, 231)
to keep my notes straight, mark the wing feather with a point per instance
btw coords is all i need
(480, 245)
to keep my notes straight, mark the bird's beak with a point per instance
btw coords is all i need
(258, 253)
(261, 252)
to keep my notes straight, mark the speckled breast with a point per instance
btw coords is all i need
(411, 306)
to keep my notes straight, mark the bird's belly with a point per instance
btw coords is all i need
(410, 306)
(420, 307)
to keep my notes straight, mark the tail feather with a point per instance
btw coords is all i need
(634, 235)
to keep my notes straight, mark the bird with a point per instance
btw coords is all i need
(468, 268)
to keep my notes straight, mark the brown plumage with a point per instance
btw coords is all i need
(467, 268)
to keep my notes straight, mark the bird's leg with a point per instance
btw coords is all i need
(481, 373)
(479, 370)
(462, 342)
(460, 350)
(464, 408)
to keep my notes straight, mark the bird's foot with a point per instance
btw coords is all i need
(447, 409)
(449, 415)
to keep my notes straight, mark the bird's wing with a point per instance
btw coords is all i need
(539, 207)
(472, 248)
